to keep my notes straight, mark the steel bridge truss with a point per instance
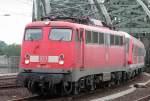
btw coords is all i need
(132, 16)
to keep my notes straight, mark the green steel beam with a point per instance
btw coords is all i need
(101, 8)
(129, 15)
(144, 7)
(135, 30)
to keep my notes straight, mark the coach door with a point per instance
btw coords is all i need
(80, 48)
(127, 45)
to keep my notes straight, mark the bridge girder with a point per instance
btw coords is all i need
(131, 16)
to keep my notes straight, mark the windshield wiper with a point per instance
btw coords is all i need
(31, 39)
(61, 38)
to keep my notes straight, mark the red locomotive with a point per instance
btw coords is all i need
(67, 56)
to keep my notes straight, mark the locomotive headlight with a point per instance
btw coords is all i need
(27, 61)
(61, 62)
(61, 59)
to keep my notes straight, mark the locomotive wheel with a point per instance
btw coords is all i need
(76, 89)
(124, 77)
(29, 85)
(67, 87)
(33, 87)
(90, 83)
(46, 88)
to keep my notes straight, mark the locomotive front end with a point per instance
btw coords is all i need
(47, 57)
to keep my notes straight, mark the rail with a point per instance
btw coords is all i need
(8, 80)
(145, 98)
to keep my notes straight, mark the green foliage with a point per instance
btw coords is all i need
(12, 50)
(9, 50)
(2, 44)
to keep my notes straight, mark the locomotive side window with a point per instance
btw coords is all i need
(95, 37)
(33, 34)
(101, 38)
(88, 37)
(77, 35)
(116, 40)
(60, 34)
(121, 40)
(112, 39)
(127, 44)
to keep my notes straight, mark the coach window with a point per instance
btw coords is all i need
(60, 34)
(112, 39)
(33, 34)
(88, 37)
(95, 37)
(101, 38)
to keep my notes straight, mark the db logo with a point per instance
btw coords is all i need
(43, 59)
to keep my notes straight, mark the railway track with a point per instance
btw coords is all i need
(39, 98)
(8, 81)
(66, 98)
(24, 98)
(83, 95)
(145, 98)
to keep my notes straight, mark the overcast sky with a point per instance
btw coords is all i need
(12, 27)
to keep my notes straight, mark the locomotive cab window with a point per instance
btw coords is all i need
(59, 34)
(33, 34)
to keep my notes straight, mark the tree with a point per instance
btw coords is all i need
(3, 45)
(12, 50)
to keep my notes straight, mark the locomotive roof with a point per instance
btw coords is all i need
(50, 23)
(88, 27)
(72, 25)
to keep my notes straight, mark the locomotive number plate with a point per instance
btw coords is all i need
(43, 59)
